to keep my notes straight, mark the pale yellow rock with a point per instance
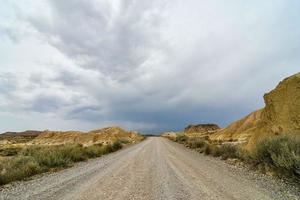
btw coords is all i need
(280, 116)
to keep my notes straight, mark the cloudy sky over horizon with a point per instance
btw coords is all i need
(144, 65)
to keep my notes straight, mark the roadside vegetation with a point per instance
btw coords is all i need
(20, 163)
(279, 155)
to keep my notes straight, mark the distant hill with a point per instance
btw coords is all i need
(18, 137)
(201, 129)
(28, 133)
(103, 136)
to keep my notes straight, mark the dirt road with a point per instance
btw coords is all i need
(154, 169)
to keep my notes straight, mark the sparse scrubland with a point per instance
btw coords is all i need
(23, 154)
(21, 163)
(268, 139)
(279, 155)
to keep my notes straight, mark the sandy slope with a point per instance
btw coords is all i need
(154, 169)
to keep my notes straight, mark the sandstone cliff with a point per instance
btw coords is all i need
(281, 115)
(200, 130)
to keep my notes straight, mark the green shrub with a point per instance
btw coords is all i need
(10, 151)
(113, 147)
(116, 145)
(62, 155)
(204, 148)
(36, 159)
(74, 152)
(228, 151)
(282, 153)
(181, 139)
(243, 154)
(55, 156)
(207, 149)
(216, 151)
(125, 141)
(18, 168)
(48, 157)
(196, 143)
(94, 150)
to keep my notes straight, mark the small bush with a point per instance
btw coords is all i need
(282, 153)
(116, 145)
(181, 139)
(10, 151)
(196, 143)
(94, 151)
(216, 151)
(203, 148)
(243, 155)
(124, 141)
(113, 147)
(228, 151)
(207, 150)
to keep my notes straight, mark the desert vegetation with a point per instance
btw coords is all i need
(279, 155)
(19, 163)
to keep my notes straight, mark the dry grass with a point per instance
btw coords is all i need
(281, 154)
(37, 159)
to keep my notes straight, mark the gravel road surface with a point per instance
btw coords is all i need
(151, 170)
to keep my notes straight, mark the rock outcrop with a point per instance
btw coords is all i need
(280, 116)
(200, 128)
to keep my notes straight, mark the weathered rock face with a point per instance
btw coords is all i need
(281, 115)
(200, 130)
(282, 109)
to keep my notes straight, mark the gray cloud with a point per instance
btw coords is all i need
(98, 36)
(154, 65)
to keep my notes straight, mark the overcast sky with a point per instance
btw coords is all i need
(144, 65)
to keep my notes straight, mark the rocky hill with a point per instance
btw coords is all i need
(103, 136)
(281, 115)
(18, 137)
(201, 129)
(28, 133)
